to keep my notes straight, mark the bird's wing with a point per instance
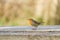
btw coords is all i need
(36, 22)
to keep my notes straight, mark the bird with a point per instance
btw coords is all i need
(33, 23)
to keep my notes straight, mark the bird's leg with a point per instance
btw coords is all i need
(35, 28)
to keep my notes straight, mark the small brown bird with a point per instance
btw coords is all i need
(33, 23)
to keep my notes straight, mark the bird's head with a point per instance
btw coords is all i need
(30, 19)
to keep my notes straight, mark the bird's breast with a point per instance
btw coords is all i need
(30, 22)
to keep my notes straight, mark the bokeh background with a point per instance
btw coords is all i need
(16, 12)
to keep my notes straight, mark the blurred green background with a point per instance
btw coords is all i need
(16, 12)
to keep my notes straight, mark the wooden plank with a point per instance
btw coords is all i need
(27, 30)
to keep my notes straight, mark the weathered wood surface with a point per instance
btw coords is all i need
(27, 30)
